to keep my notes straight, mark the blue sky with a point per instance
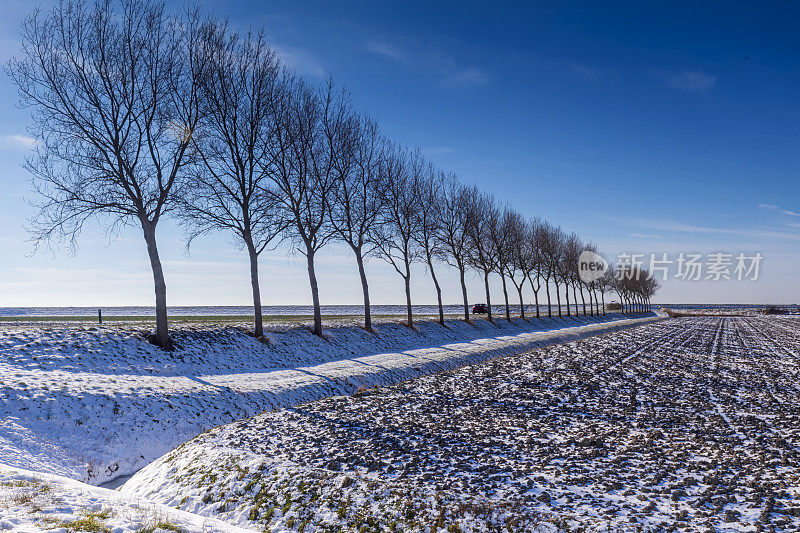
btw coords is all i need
(643, 127)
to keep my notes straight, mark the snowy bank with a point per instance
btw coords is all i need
(32, 501)
(94, 403)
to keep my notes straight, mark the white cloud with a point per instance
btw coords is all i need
(441, 150)
(444, 68)
(758, 235)
(385, 49)
(300, 60)
(17, 142)
(779, 210)
(644, 236)
(465, 77)
(686, 80)
(590, 73)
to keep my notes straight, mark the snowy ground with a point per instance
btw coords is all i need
(94, 403)
(685, 424)
(35, 502)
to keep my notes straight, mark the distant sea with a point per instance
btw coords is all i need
(285, 310)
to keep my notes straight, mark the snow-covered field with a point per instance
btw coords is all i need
(687, 424)
(95, 403)
(31, 501)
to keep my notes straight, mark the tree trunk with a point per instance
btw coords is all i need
(558, 298)
(535, 294)
(438, 289)
(574, 300)
(161, 337)
(407, 279)
(364, 289)
(583, 300)
(566, 292)
(258, 326)
(488, 299)
(464, 293)
(505, 294)
(312, 278)
(549, 306)
(603, 296)
(521, 303)
(591, 301)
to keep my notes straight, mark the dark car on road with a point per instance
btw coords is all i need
(480, 309)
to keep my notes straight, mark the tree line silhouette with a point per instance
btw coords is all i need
(141, 113)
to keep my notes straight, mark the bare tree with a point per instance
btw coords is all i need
(482, 214)
(357, 197)
(650, 288)
(395, 234)
(113, 87)
(605, 284)
(501, 230)
(453, 230)
(235, 141)
(591, 287)
(558, 260)
(518, 251)
(428, 224)
(304, 172)
(548, 240)
(634, 286)
(535, 236)
(564, 269)
(572, 251)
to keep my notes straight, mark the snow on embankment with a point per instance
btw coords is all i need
(97, 403)
(31, 501)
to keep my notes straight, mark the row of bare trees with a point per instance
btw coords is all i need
(635, 288)
(142, 113)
